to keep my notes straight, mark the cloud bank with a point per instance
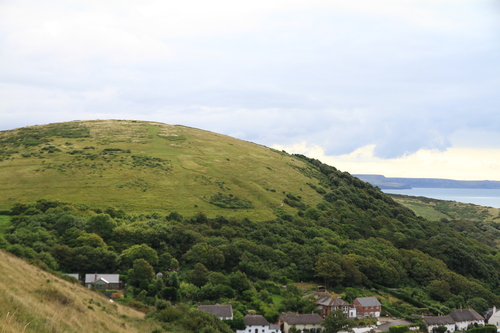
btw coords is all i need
(398, 77)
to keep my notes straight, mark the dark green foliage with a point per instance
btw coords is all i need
(484, 329)
(173, 137)
(230, 201)
(151, 162)
(34, 136)
(398, 329)
(355, 237)
(140, 273)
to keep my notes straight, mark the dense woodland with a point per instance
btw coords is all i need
(357, 241)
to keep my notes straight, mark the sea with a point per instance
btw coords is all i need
(482, 197)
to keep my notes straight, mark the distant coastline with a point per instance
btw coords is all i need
(393, 183)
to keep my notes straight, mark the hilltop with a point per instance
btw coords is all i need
(148, 167)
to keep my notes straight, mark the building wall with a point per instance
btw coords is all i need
(449, 327)
(287, 327)
(495, 319)
(258, 329)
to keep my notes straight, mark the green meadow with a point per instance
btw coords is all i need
(149, 167)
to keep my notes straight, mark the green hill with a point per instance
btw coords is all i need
(228, 221)
(148, 167)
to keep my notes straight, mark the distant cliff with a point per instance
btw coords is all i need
(408, 183)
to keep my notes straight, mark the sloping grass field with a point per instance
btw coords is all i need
(33, 300)
(148, 167)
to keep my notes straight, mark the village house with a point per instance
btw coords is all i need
(434, 322)
(327, 303)
(367, 307)
(457, 320)
(223, 312)
(258, 324)
(492, 317)
(311, 322)
(103, 281)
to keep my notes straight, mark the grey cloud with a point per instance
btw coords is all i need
(336, 78)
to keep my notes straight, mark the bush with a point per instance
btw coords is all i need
(398, 329)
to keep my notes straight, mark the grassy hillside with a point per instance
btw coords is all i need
(252, 221)
(473, 221)
(434, 209)
(32, 300)
(147, 167)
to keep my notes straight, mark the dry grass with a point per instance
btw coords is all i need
(32, 300)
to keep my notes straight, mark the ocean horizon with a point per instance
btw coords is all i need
(482, 197)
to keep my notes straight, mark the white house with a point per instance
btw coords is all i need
(434, 322)
(464, 318)
(457, 320)
(258, 324)
(301, 322)
(494, 317)
(223, 312)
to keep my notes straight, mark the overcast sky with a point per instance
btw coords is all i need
(406, 88)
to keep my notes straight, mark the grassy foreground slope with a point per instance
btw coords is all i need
(148, 167)
(33, 300)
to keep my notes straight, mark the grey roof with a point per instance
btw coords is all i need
(220, 311)
(301, 319)
(255, 320)
(75, 275)
(466, 315)
(328, 300)
(111, 278)
(368, 301)
(441, 320)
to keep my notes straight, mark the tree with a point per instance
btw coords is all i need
(337, 321)
(140, 271)
(199, 275)
(328, 267)
(135, 252)
(208, 255)
(101, 224)
(439, 290)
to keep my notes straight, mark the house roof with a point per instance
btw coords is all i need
(490, 312)
(368, 301)
(439, 321)
(110, 278)
(466, 315)
(75, 275)
(220, 311)
(255, 320)
(328, 300)
(301, 319)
